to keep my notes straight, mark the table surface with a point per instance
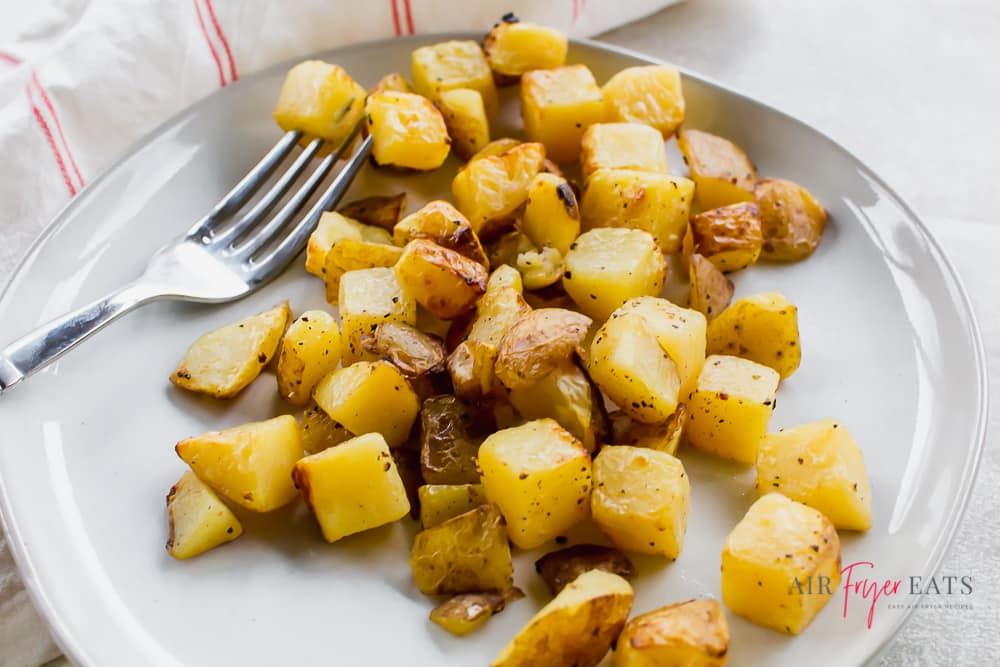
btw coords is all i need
(913, 90)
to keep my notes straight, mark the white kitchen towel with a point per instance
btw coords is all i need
(81, 81)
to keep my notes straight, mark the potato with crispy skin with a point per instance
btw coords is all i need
(711, 291)
(440, 502)
(692, 633)
(567, 395)
(441, 280)
(664, 436)
(490, 190)
(450, 65)
(763, 328)
(408, 131)
(514, 47)
(450, 435)
(537, 343)
(792, 220)
(622, 146)
(551, 213)
(558, 105)
(319, 432)
(465, 117)
(320, 100)
(379, 211)
(309, 350)
(199, 520)
(721, 171)
(647, 94)
(444, 224)
(728, 236)
(407, 348)
(464, 613)
(562, 567)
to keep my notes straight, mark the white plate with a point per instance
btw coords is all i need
(889, 342)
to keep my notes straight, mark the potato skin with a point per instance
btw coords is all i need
(722, 172)
(441, 280)
(444, 224)
(664, 436)
(464, 613)
(792, 220)
(409, 349)
(537, 343)
(730, 236)
(450, 435)
(711, 291)
(560, 568)
(319, 432)
(380, 211)
(692, 633)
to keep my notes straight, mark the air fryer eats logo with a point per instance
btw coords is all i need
(859, 587)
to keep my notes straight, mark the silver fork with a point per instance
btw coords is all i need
(214, 262)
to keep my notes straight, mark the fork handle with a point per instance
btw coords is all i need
(40, 347)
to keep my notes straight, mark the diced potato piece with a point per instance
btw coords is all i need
(622, 146)
(440, 502)
(558, 105)
(465, 116)
(514, 47)
(730, 407)
(539, 476)
(540, 268)
(406, 347)
(648, 94)
(251, 464)
(664, 437)
(657, 203)
(395, 82)
(781, 564)
(721, 171)
(450, 435)
(370, 397)
(367, 298)
(551, 214)
(451, 65)
(560, 568)
(566, 395)
(408, 131)
(444, 224)
(321, 100)
(576, 628)
(538, 343)
(791, 218)
(496, 147)
(464, 613)
(763, 328)
(352, 487)
(350, 255)
(692, 634)
(223, 362)
(606, 267)
(319, 432)
(334, 227)
(441, 280)
(728, 236)
(489, 190)
(309, 350)
(818, 465)
(466, 554)
(199, 520)
(382, 211)
(711, 290)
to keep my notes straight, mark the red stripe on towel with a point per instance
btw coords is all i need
(40, 119)
(55, 118)
(211, 47)
(409, 17)
(395, 18)
(6, 57)
(225, 43)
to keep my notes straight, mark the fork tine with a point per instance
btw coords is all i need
(247, 186)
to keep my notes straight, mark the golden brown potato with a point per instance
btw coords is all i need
(199, 520)
(711, 290)
(465, 116)
(490, 190)
(333, 228)
(392, 83)
(540, 268)
(309, 350)
(721, 171)
(537, 343)
(729, 236)
(381, 211)
(450, 435)
(692, 633)
(408, 131)
(664, 436)
(444, 224)
(464, 613)
(648, 94)
(763, 328)
(319, 432)
(562, 567)
(450, 65)
(441, 280)
(792, 220)
(558, 105)
(406, 347)
(496, 147)
(551, 214)
(321, 100)
(622, 146)
(514, 47)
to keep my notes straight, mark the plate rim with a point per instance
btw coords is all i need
(70, 645)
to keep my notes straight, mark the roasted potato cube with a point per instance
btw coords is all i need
(466, 554)
(350, 255)
(538, 474)
(576, 628)
(199, 520)
(409, 349)
(441, 280)
(818, 465)
(664, 437)
(657, 203)
(781, 564)
(465, 116)
(680, 332)
(557, 106)
(514, 47)
(369, 297)
(395, 83)
(631, 367)
(649, 95)
(320, 100)
(450, 435)
(370, 397)
(551, 214)
(451, 65)
(223, 362)
(464, 613)
(763, 328)
(721, 171)
(319, 432)
(792, 220)
(622, 146)
(728, 236)
(251, 464)
(730, 407)
(444, 224)
(408, 131)
(490, 189)
(692, 633)
(538, 343)
(560, 568)
(440, 502)
(309, 350)
(379, 211)
(496, 147)
(607, 267)
(352, 487)
(540, 268)
(566, 395)
(711, 290)
(332, 228)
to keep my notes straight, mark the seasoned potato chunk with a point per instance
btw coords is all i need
(352, 487)
(451, 65)
(394, 82)
(557, 106)
(223, 362)
(680, 332)
(664, 437)
(538, 343)
(551, 214)
(721, 171)
(730, 407)
(791, 218)
(321, 100)
(440, 502)
(496, 147)
(490, 189)
(369, 397)
(319, 432)
(622, 146)
(728, 236)
(560, 568)
(538, 474)
(763, 328)
(692, 634)
(657, 203)
(540, 268)
(464, 613)
(309, 350)
(444, 282)
(369, 297)
(444, 224)
(641, 499)
(576, 628)
(607, 267)
(409, 349)
(818, 465)
(647, 94)
(506, 248)
(781, 564)
(514, 47)
(334, 227)
(566, 395)
(450, 435)
(465, 116)
(711, 290)
(199, 520)
(382, 211)
(251, 464)
(466, 554)
(408, 131)
(350, 255)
